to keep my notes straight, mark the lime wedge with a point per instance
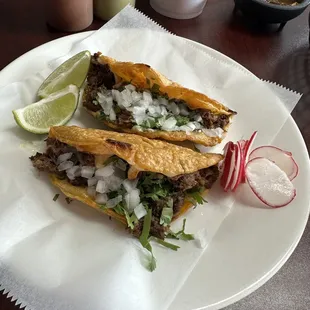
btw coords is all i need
(73, 71)
(55, 110)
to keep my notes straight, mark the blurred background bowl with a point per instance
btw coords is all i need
(265, 12)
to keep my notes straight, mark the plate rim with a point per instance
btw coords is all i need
(254, 286)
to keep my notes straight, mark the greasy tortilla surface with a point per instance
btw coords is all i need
(144, 77)
(140, 152)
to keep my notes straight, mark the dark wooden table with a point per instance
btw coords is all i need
(283, 57)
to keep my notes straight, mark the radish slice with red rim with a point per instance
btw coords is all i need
(246, 151)
(281, 158)
(269, 183)
(237, 167)
(241, 171)
(226, 168)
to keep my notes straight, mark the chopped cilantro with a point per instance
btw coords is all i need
(167, 213)
(167, 244)
(119, 209)
(148, 82)
(196, 197)
(56, 197)
(180, 234)
(131, 220)
(155, 88)
(144, 239)
(181, 120)
(157, 192)
(152, 263)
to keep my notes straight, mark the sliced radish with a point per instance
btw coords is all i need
(226, 164)
(241, 166)
(246, 151)
(237, 167)
(269, 183)
(282, 159)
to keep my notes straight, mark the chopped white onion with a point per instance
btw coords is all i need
(140, 211)
(113, 202)
(169, 124)
(102, 187)
(114, 183)
(147, 97)
(197, 117)
(87, 172)
(163, 110)
(191, 125)
(63, 157)
(154, 110)
(73, 172)
(104, 171)
(139, 115)
(91, 191)
(183, 110)
(126, 98)
(65, 165)
(136, 96)
(92, 182)
(172, 106)
(130, 87)
(130, 185)
(132, 199)
(116, 95)
(216, 132)
(161, 121)
(138, 128)
(163, 101)
(101, 198)
(197, 125)
(112, 115)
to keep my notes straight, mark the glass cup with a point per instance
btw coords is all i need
(69, 15)
(179, 9)
(106, 9)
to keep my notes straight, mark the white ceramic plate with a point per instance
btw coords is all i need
(252, 243)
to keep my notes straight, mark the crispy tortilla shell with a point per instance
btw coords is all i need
(80, 194)
(195, 137)
(144, 77)
(140, 152)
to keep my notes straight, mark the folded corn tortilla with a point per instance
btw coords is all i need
(181, 169)
(199, 118)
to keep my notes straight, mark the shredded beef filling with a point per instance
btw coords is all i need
(100, 75)
(47, 162)
(177, 186)
(212, 121)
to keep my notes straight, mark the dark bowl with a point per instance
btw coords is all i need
(266, 12)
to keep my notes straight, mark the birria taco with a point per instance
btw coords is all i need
(135, 98)
(125, 176)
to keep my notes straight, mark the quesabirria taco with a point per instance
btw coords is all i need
(135, 98)
(126, 176)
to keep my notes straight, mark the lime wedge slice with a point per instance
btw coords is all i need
(55, 110)
(73, 71)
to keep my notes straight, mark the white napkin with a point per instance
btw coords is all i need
(54, 256)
